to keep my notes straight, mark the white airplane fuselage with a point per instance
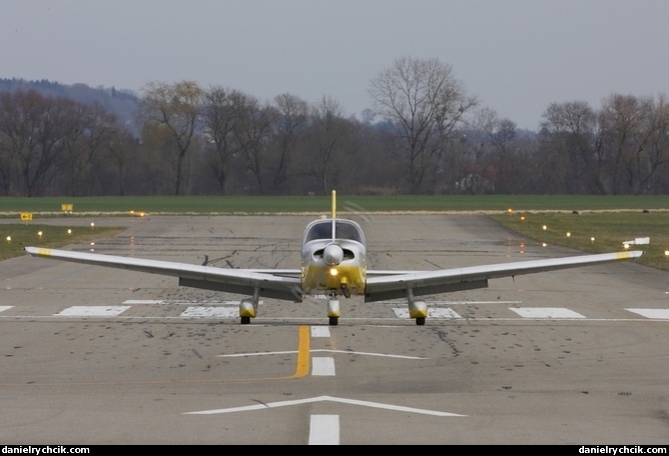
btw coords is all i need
(333, 258)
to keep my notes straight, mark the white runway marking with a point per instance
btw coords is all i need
(545, 312)
(324, 430)
(319, 350)
(473, 303)
(324, 367)
(201, 311)
(3, 308)
(320, 331)
(440, 312)
(397, 408)
(93, 311)
(175, 301)
(660, 314)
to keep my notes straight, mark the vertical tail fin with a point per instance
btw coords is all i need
(334, 203)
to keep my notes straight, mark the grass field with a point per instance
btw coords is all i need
(12, 207)
(591, 224)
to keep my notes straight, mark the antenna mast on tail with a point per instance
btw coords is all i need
(334, 203)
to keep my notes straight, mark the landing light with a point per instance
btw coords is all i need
(333, 271)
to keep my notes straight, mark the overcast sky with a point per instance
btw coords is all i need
(516, 56)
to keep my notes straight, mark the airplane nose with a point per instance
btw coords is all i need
(333, 254)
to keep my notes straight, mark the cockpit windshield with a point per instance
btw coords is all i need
(343, 229)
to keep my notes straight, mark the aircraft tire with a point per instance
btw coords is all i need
(420, 321)
(246, 320)
(334, 321)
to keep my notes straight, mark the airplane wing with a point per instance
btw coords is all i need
(382, 285)
(279, 284)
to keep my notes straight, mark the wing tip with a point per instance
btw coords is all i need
(36, 251)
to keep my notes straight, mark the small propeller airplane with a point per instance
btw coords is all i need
(333, 263)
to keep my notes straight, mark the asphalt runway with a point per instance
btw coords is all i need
(94, 355)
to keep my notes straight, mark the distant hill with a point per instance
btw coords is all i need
(123, 103)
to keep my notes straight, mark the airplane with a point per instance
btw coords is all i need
(334, 264)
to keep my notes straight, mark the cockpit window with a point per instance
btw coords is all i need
(346, 230)
(343, 230)
(322, 230)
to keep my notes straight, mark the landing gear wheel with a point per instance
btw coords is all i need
(420, 321)
(246, 320)
(334, 321)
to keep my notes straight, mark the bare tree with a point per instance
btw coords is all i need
(33, 131)
(425, 103)
(575, 135)
(622, 117)
(220, 116)
(254, 132)
(175, 107)
(657, 124)
(327, 138)
(293, 114)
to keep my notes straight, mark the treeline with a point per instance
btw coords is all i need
(426, 135)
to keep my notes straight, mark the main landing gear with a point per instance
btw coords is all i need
(248, 308)
(417, 309)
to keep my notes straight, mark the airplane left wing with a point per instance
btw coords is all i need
(382, 285)
(280, 284)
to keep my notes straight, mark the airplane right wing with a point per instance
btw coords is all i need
(383, 285)
(280, 284)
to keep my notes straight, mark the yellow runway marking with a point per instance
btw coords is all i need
(301, 370)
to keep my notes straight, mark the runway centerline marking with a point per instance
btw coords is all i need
(322, 366)
(324, 430)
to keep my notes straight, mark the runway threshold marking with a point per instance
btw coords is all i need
(93, 311)
(660, 314)
(545, 312)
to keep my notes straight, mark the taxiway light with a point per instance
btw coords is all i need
(568, 234)
(666, 253)
(522, 218)
(544, 227)
(39, 233)
(544, 244)
(9, 239)
(92, 224)
(626, 246)
(592, 239)
(69, 231)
